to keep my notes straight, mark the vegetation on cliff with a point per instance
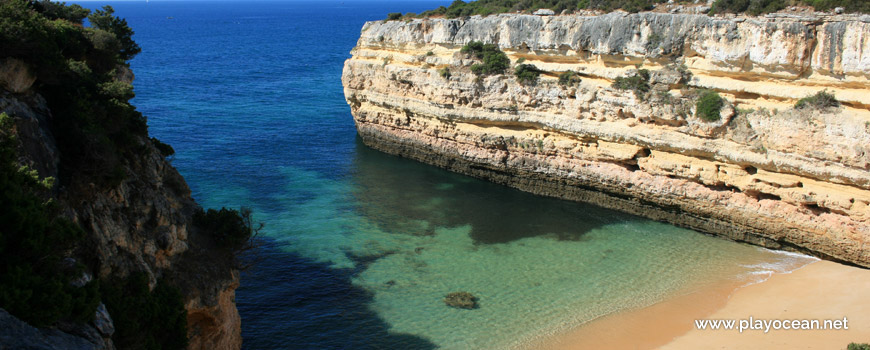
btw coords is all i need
(821, 99)
(569, 78)
(637, 82)
(81, 71)
(460, 8)
(759, 7)
(708, 105)
(35, 281)
(527, 74)
(494, 60)
(232, 230)
(76, 69)
(143, 318)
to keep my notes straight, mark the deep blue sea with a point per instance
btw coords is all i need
(361, 247)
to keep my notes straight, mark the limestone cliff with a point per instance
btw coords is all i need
(143, 224)
(765, 173)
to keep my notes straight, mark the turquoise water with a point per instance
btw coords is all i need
(361, 247)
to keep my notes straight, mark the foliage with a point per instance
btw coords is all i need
(75, 68)
(392, 16)
(34, 281)
(708, 105)
(60, 10)
(527, 74)
(105, 20)
(856, 346)
(849, 5)
(164, 149)
(753, 7)
(494, 60)
(759, 7)
(569, 78)
(143, 318)
(444, 72)
(821, 99)
(231, 229)
(639, 83)
(461, 8)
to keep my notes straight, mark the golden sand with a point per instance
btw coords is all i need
(820, 290)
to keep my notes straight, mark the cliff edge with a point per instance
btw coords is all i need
(102, 245)
(622, 129)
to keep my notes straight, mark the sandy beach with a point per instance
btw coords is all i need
(822, 290)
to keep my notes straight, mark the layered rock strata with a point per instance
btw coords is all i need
(765, 172)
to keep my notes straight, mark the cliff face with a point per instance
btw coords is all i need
(144, 224)
(765, 173)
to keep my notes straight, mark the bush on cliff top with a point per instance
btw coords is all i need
(461, 8)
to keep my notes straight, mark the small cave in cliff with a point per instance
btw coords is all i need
(751, 170)
(816, 209)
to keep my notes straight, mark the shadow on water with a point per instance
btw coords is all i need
(293, 303)
(403, 195)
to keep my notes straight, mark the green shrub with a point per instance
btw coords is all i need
(569, 78)
(164, 149)
(639, 83)
(708, 105)
(60, 10)
(527, 74)
(494, 60)
(821, 99)
(856, 346)
(230, 228)
(105, 19)
(429, 53)
(849, 5)
(459, 8)
(444, 72)
(34, 281)
(143, 318)
(392, 16)
(753, 7)
(759, 7)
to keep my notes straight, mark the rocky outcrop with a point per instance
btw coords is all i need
(461, 300)
(15, 76)
(144, 224)
(764, 173)
(17, 334)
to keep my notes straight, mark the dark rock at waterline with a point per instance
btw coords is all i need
(461, 300)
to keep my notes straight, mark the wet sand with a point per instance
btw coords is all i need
(821, 290)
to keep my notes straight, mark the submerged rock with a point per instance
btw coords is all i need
(461, 300)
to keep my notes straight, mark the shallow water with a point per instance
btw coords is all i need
(361, 246)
